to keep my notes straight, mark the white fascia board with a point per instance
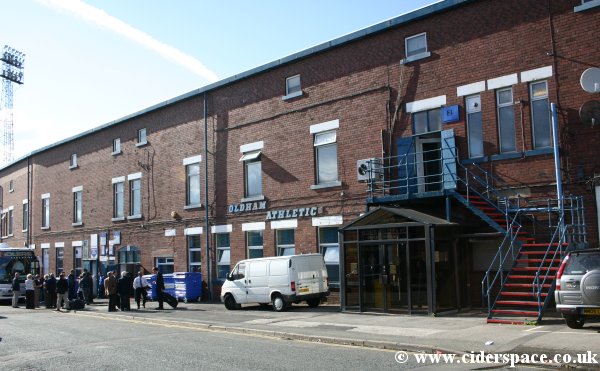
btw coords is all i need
(192, 231)
(250, 147)
(426, 104)
(323, 221)
(502, 81)
(226, 228)
(257, 226)
(474, 88)
(324, 126)
(192, 160)
(536, 74)
(284, 224)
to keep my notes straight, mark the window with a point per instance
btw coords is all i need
(427, 121)
(540, 114)
(7, 222)
(326, 157)
(59, 260)
(135, 198)
(254, 241)
(223, 254)
(25, 215)
(285, 242)
(11, 186)
(141, 137)
(506, 120)
(77, 205)
(73, 162)
(119, 200)
(474, 126)
(116, 149)
(192, 184)
(165, 265)
(252, 174)
(194, 253)
(330, 248)
(416, 45)
(78, 251)
(293, 87)
(45, 211)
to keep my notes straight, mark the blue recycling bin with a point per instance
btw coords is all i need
(188, 285)
(169, 285)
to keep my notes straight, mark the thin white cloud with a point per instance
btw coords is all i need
(103, 19)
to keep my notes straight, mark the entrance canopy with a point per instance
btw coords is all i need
(390, 215)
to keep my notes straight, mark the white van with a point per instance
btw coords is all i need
(280, 280)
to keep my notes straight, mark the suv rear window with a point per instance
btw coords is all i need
(582, 263)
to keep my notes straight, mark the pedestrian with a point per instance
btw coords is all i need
(62, 288)
(72, 285)
(16, 289)
(100, 293)
(160, 287)
(110, 290)
(86, 284)
(38, 283)
(51, 291)
(124, 288)
(29, 292)
(140, 285)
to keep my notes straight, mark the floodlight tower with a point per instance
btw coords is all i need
(12, 72)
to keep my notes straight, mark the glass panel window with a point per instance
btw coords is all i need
(77, 207)
(165, 265)
(141, 137)
(285, 242)
(427, 121)
(59, 260)
(540, 113)
(330, 248)
(326, 157)
(194, 249)
(254, 241)
(118, 200)
(474, 126)
(223, 254)
(135, 197)
(193, 184)
(25, 216)
(116, 145)
(46, 212)
(416, 45)
(292, 85)
(253, 181)
(506, 120)
(73, 161)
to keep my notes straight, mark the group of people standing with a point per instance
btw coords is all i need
(58, 292)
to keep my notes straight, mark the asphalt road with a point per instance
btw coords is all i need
(47, 340)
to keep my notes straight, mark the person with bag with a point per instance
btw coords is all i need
(62, 288)
(16, 289)
(140, 286)
(160, 287)
(110, 290)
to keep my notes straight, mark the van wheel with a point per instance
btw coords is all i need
(230, 303)
(573, 321)
(313, 303)
(278, 303)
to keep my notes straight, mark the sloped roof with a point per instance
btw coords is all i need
(391, 215)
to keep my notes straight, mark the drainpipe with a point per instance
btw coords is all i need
(206, 215)
(559, 190)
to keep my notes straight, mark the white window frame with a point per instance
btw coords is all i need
(164, 261)
(73, 161)
(285, 248)
(410, 55)
(25, 215)
(135, 198)
(324, 141)
(499, 107)
(323, 247)
(11, 186)
(8, 222)
(191, 250)
(223, 254)
(251, 157)
(188, 163)
(77, 206)
(255, 247)
(473, 107)
(292, 89)
(116, 147)
(118, 196)
(142, 137)
(46, 211)
(533, 123)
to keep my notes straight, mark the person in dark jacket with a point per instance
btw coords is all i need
(50, 291)
(72, 285)
(110, 289)
(62, 288)
(124, 287)
(86, 283)
(16, 289)
(160, 287)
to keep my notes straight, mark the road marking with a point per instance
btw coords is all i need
(537, 330)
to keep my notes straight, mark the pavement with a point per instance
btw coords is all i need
(457, 334)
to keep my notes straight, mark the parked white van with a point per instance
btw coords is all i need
(280, 280)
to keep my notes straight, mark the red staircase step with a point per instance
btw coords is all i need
(533, 268)
(520, 303)
(542, 244)
(528, 285)
(538, 260)
(505, 321)
(515, 312)
(517, 293)
(521, 276)
(550, 253)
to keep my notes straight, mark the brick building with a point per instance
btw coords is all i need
(417, 155)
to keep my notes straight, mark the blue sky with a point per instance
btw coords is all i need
(91, 62)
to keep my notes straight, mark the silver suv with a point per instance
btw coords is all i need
(578, 287)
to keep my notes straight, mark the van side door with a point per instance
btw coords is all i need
(238, 278)
(257, 282)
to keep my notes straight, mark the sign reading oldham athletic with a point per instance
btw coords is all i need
(294, 213)
(247, 206)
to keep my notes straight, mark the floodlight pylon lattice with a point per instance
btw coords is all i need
(11, 73)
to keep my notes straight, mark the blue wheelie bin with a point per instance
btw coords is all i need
(188, 286)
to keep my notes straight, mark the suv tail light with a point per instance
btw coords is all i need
(561, 270)
(293, 286)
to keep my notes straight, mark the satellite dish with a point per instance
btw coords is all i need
(590, 80)
(590, 113)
